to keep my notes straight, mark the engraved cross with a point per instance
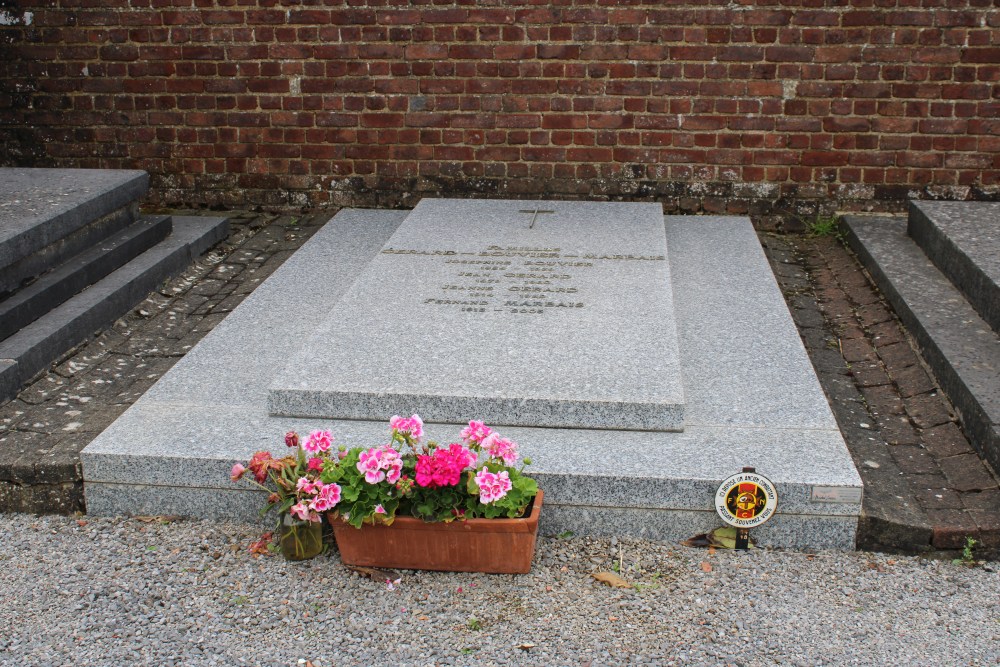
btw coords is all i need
(535, 213)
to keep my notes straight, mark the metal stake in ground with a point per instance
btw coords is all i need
(746, 500)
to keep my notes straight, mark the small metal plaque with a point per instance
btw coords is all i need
(746, 500)
(836, 494)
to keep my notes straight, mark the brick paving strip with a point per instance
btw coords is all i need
(925, 487)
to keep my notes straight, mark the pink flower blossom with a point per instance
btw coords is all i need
(327, 498)
(475, 432)
(316, 464)
(238, 471)
(492, 486)
(306, 485)
(318, 441)
(412, 425)
(443, 467)
(370, 463)
(300, 511)
(500, 448)
(292, 439)
(379, 509)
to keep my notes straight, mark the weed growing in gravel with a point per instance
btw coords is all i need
(474, 623)
(968, 556)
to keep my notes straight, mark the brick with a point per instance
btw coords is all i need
(967, 472)
(937, 499)
(896, 430)
(951, 528)
(912, 459)
(945, 440)
(912, 381)
(883, 400)
(927, 410)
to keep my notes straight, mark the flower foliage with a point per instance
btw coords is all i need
(431, 481)
(476, 478)
(293, 481)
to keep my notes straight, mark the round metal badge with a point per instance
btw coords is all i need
(746, 500)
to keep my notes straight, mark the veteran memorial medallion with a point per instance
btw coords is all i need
(746, 500)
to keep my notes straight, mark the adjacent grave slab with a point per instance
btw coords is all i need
(47, 215)
(40, 343)
(547, 313)
(963, 241)
(751, 399)
(961, 348)
(54, 287)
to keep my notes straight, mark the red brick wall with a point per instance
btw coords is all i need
(772, 108)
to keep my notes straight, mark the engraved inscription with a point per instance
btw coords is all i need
(516, 280)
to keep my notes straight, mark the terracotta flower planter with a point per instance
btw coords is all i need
(498, 546)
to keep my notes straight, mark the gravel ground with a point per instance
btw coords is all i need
(94, 591)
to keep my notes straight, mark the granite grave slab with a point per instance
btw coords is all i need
(48, 215)
(962, 239)
(751, 398)
(546, 313)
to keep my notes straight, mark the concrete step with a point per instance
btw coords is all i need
(77, 273)
(50, 215)
(962, 239)
(960, 347)
(752, 399)
(37, 345)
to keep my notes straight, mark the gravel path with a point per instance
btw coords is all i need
(94, 591)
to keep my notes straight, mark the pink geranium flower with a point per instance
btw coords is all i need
(238, 471)
(316, 464)
(443, 467)
(475, 432)
(327, 498)
(413, 425)
(370, 463)
(318, 441)
(306, 485)
(492, 486)
(500, 448)
(300, 511)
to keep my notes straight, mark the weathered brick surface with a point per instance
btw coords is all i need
(924, 485)
(777, 111)
(44, 429)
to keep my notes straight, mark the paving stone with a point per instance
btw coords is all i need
(883, 400)
(939, 499)
(873, 314)
(858, 350)
(887, 333)
(928, 410)
(897, 356)
(952, 527)
(897, 430)
(912, 381)
(914, 459)
(967, 472)
(946, 440)
(987, 499)
(988, 522)
(849, 330)
(869, 374)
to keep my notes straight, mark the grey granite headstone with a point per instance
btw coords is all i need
(545, 313)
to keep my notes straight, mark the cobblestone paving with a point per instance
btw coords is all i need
(925, 487)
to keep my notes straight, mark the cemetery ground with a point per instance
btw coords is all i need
(189, 592)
